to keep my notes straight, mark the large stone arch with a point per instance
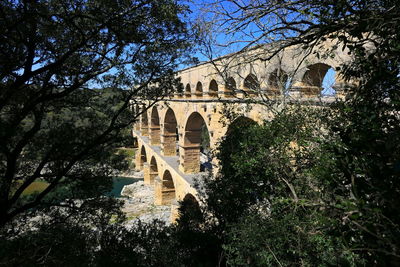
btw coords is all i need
(144, 125)
(231, 143)
(169, 136)
(164, 189)
(190, 211)
(190, 156)
(155, 127)
(191, 198)
(213, 88)
(240, 122)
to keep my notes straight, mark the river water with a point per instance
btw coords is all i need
(118, 184)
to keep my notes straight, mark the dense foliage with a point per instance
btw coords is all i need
(54, 125)
(311, 187)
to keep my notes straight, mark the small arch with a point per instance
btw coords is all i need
(199, 89)
(279, 81)
(188, 91)
(213, 88)
(180, 90)
(251, 83)
(196, 140)
(154, 127)
(170, 134)
(230, 86)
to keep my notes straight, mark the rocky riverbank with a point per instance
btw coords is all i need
(139, 204)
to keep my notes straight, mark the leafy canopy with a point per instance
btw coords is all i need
(54, 125)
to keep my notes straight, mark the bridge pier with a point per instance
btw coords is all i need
(138, 161)
(155, 135)
(168, 145)
(144, 130)
(182, 118)
(146, 173)
(301, 90)
(190, 159)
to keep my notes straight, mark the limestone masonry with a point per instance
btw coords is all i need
(169, 133)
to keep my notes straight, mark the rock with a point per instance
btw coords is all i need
(139, 205)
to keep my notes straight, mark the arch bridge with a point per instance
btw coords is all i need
(171, 135)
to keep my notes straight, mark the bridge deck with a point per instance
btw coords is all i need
(171, 162)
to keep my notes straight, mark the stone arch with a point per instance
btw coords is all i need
(188, 90)
(164, 189)
(233, 140)
(239, 123)
(191, 199)
(230, 86)
(154, 127)
(278, 81)
(143, 157)
(170, 134)
(251, 83)
(277, 78)
(312, 80)
(315, 74)
(190, 158)
(153, 171)
(199, 89)
(144, 125)
(190, 211)
(213, 88)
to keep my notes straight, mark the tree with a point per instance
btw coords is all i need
(262, 30)
(332, 200)
(53, 124)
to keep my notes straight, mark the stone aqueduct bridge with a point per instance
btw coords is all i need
(169, 133)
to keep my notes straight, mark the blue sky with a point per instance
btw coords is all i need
(197, 8)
